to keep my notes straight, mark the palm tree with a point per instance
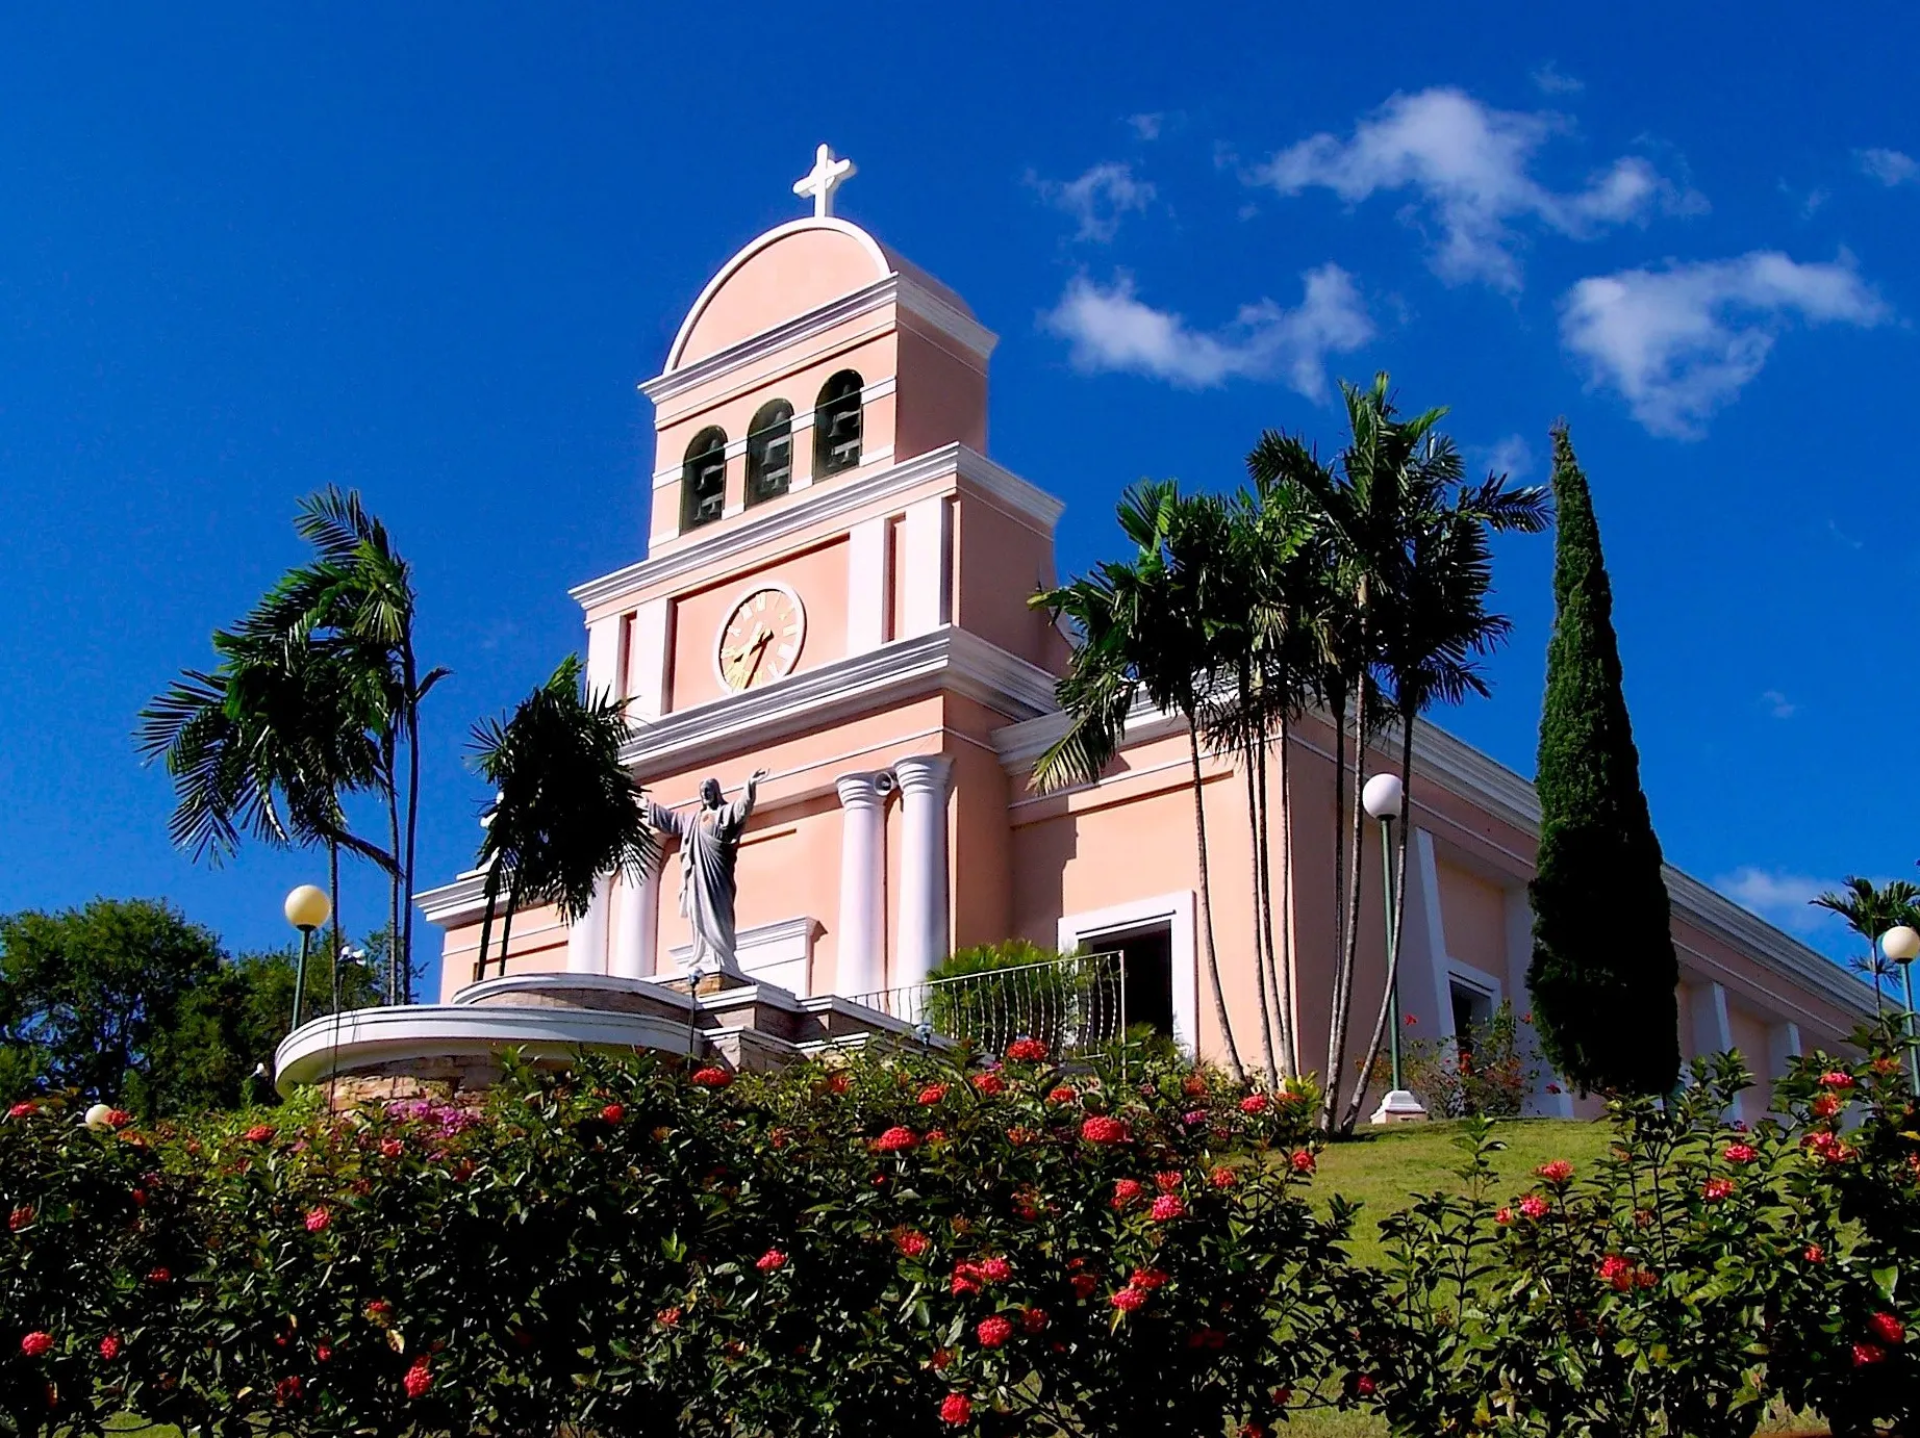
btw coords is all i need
(1141, 630)
(1870, 911)
(567, 810)
(1435, 632)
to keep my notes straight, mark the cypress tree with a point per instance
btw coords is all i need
(1604, 971)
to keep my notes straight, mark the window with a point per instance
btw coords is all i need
(836, 425)
(703, 479)
(770, 452)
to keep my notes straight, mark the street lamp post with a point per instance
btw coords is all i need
(1902, 944)
(1382, 797)
(306, 909)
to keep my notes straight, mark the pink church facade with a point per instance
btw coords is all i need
(835, 590)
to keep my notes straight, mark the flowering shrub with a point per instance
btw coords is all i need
(1489, 1076)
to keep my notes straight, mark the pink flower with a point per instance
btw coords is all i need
(994, 1270)
(1254, 1103)
(1167, 1207)
(1129, 1300)
(36, 1343)
(957, 1409)
(1715, 1189)
(1503, 1217)
(931, 1094)
(1740, 1153)
(1222, 1178)
(1302, 1161)
(1103, 1129)
(1125, 1191)
(1534, 1206)
(1027, 1051)
(772, 1259)
(1888, 1329)
(317, 1220)
(110, 1347)
(613, 1112)
(1063, 1094)
(259, 1133)
(1557, 1172)
(989, 1084)
(1147, 1279)
(23, 1109)
(712, 1076)
(994, 1331)
(1194, 1117)
(897, 1139)
(1836, 1078)
(419, 1378)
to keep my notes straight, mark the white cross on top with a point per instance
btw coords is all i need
(823, 179)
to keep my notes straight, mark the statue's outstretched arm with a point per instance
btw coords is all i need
(745, 805)
(659, 817)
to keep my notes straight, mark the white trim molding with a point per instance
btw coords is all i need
(820, 504)
(1175, 910)
(778, 954)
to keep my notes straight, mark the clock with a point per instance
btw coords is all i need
(760, 638)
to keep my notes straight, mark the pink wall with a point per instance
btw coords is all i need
(999, 562)
(796, 273)
(819, 576)
(943, 394)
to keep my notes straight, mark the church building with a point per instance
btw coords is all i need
(835, 590)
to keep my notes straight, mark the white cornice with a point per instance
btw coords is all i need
(948, 658)
(1508, 796)
(457, 902)
(895, 289)
(820, 503)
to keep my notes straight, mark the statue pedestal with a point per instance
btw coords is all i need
(706, 984)
(1399, 1106)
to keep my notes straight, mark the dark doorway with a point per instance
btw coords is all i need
(1146, 957)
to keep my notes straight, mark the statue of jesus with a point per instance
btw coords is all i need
(709, 844)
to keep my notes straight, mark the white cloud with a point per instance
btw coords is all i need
(1548, 80)
(1469, 164)
(1512, 456)
(1779, 898)
(1680, 342)
(1889, 167)
(1147, 126)
(1098, 198)
(1109, 328)
(1778, 705)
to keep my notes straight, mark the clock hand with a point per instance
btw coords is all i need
(764, 638)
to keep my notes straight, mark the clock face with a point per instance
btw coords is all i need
(761, 638)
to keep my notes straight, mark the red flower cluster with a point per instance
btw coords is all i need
(772, 1259)
(288, 1389)
(24, 1109)
(912, 1242)
(1534, 1206)
(378, 1311)
(1557, 1172)
(613, 1112)
(1103, 1129)
(1254, 1103)
(1222, 1178)
(1148, 1278)
(1302, 1161)
(419, 1378)
(1209, 1338)
(391, 1148)
(1740, 1153)
(839, 1082)
(1033, 1320)
(957, 1409)
(1194, 1117)
(1125, 1191)
(1826, 1106)
(1194, 1084)
(1168, 1181)
(110, 1347)
(897, 1139)
(36, 1343)
(259, 1133)
(1063, 1094)
(1503, 1217)
(990, 1084)
(1836, 1078)
(1827, 1147)
(1027, 1051)
(1867, 1353)
(160, 1275)
(712, 1076)
(317, 1220)
(19, 1218)
(1167, 1207)
(931, 1094)
(669, 1317)
(1814, 1253)
(1888, 1329)
(1715, 1189)
(1129, 1300)
(994, 1331)
(970, 1275)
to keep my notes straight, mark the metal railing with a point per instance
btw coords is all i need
(1072, 1004)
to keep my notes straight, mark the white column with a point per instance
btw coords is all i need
(923, 866)
(638, 929)
(587, 939)
(868, 592)
(1713, 1032)
(926, 566)
(860, 937)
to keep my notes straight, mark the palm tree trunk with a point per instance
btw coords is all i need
(1399, 899)
(1356, 868)
(506, 924)
(333, 892)
(1279, 964)
(1285, 968)
(486, 922)
(1328, 1098)
(394, 969)
(404, 939)
(1234, 1065)
(1251, 747)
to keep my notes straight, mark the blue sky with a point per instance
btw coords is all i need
(429, 251)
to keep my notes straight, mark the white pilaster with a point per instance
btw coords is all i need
(637, 932)
(923, 866)
(647, 660)
(603, 654)
(861, 938)
(926, 566)
(867, 590)
(1713, 1031)
(587, 939)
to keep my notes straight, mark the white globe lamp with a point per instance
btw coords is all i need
(1382, 796)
